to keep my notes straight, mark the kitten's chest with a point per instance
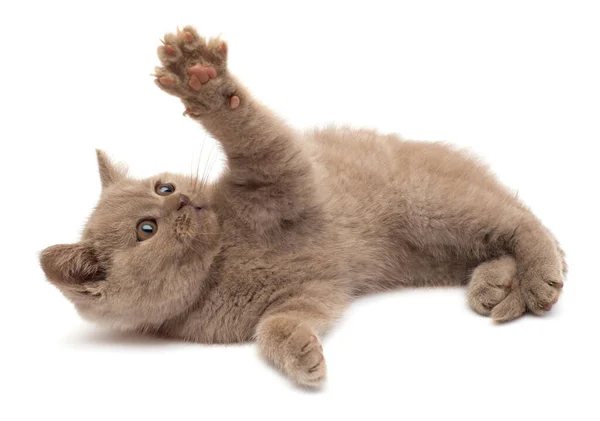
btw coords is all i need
(293, 260)
(247, 279)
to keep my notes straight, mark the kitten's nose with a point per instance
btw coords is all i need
(183, 201)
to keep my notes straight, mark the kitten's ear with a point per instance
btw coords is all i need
(71, 264)
(109, 173)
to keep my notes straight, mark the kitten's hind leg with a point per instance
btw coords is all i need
(540, 269)
(494, 291)
(483, 224)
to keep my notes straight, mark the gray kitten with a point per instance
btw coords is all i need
(296, 228)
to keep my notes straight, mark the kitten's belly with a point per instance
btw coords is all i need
(376, 187)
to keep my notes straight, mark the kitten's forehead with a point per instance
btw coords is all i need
(133, 196)
(127, 198)
(123, 204)
(118, 209)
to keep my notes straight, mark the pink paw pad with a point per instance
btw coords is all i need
(170, 50)
(189, 37)
(212, 73)
(203, 74)
(222, 48)
(195, 83)
(166, 81)
(234, 102)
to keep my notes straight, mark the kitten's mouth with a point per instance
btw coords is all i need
(199, 212)
(185, 201)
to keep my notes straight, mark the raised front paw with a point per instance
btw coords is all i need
(195, 70)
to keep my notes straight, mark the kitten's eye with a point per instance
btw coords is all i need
(146, 229)
(164, 189)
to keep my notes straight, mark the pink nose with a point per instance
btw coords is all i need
(183, 201)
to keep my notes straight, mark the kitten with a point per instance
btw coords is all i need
(295, 229)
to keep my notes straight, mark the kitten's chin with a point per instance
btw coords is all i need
(115, 322)
(120, 325)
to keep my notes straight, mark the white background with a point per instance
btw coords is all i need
(516, 81)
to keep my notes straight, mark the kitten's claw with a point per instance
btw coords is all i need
(556, 284)
(189, 111)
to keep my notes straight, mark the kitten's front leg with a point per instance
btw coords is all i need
(267, 166)
(288, 332)
(290, 342)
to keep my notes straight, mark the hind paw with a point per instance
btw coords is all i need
(541, 292)
(493, 290)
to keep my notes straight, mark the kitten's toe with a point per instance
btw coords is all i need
(541, 294)
(191, 41)
(305, 361)
(190, 38)
(512, 307)
(167, 81)
(490, 284)
(169, 53)
(483, 298)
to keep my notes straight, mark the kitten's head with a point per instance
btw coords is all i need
(145, 251)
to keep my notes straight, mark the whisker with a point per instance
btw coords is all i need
(192, 170)
(202, 179)
(196, 181)
(209, 167)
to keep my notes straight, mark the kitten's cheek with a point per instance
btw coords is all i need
(200, 220)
